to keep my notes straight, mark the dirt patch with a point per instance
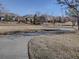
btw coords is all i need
(64, 46)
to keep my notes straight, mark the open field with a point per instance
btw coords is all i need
(16, 46)
(39, 29)
(15, 27)
(65, 46)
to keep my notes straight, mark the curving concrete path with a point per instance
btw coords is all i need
(14, 47)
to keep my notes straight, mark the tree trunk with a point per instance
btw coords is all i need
(78, 22)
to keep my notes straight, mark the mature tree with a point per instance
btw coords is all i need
(8, 18)
(38, 19)
(35, 19)
(1, 9)
(72, 8)
(3, 12)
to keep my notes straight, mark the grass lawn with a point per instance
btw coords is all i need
(64, 46)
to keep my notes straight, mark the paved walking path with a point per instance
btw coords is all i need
(14, 47)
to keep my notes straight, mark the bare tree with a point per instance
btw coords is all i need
(72, 7)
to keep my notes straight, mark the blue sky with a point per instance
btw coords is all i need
(24, 7)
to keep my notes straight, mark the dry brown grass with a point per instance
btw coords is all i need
(65, 46)
(13, 26)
